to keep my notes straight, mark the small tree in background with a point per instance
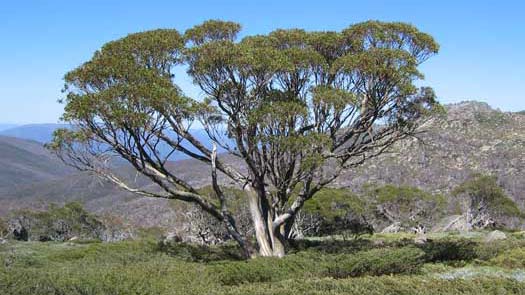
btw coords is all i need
(484, 203)
(296, 107)
(407, 207)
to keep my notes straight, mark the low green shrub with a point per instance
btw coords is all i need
(331, 246)
(200, 253)
(267, 269)
(389, 285)
(334, 212)
(69, 222)
(514, 258)
(487, 251)
(377, 262)
(310, 264)
(449, 250)
(139, 267)
(485, 189)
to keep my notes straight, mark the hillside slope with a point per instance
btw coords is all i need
(38, 132)
(471, 138)
(24, 162)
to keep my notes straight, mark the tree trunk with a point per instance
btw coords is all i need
(271, 241)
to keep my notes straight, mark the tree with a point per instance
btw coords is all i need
(296, 107)
(404, 207)
(484, 203)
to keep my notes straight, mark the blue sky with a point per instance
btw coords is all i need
(481, 57)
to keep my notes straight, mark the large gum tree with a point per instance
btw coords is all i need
(296, 107)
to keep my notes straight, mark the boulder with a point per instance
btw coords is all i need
(393, 228)
(172, 237)
(451, 223)
(378, 243)
(18, 227)
(420, 239)
(495, 236)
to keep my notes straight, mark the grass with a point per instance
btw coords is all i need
(450, 264)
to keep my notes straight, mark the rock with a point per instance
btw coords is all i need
(393, 228)
(495, 236)
(451, 223)
(116, 234)
(18, 228)
(378, 243)
(420, 239)
(172, 238)
(3, 241)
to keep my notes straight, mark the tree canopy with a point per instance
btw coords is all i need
(296, 107)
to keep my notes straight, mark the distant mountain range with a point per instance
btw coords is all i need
(6, 126)
(43, 133)
(38, 132)
(471, 138)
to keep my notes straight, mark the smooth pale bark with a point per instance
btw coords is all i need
(259, 224)
(270, 239)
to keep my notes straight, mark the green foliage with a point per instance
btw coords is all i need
(96, 268)
(309, 264)
(200, 253)
(384, 285)
(3, 228)
(212, 30)
(141, 267)
(485, 188)
(410, 206)
(450, 250)
(488, 251)
(56, 223)
(290, 101)
(331, 245)
(263, 269)
(331, 203)
(403, 195)
(335, 211)
(378, 262)
(513, 258)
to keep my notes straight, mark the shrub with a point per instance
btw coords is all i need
(486, 201)
(55, 224)
(4, 229)
(268, 269)
(514, 258)
(199, 253)
(384, 285)
(331, 212)
(410, 206)
(137, 267)
(311, 264)
(447, 250)
(331, 246)
(63, 223)
(377, 262)
(487, 251)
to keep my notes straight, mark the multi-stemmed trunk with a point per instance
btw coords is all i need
(271, 237)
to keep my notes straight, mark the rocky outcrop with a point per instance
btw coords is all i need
(451, 223)
(471, 138)
(393, 228)
(495, 236)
